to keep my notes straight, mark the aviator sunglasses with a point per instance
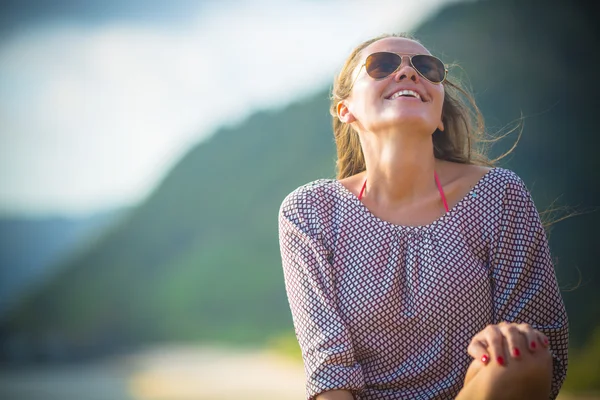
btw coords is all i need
(383, 64)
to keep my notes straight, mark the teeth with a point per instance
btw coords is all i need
(405, 92)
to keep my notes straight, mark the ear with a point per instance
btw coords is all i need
(344, 113)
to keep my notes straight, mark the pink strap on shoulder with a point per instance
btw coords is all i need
(437, 181)
(439, 185)
(362, 191)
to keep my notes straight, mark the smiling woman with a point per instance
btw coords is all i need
(423, 271)
(459, 142)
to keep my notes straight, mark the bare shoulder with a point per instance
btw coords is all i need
(463, 175)
(458, 179)
(354, 183)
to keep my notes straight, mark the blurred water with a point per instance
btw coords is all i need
(165, 373)
(96, 381)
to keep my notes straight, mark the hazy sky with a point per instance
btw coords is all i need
(98, 99)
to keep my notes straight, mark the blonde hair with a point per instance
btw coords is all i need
(463, 139)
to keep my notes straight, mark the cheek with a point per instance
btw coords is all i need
(364, 107)
(439, 102)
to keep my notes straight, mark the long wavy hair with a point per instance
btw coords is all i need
(463, 140)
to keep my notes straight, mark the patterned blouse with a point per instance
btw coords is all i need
(388, 311)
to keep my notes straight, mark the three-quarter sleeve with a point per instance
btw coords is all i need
(324, 339)
(524, 282)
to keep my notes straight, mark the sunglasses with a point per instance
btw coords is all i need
(383, 64)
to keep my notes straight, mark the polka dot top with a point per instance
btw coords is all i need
(388, 311)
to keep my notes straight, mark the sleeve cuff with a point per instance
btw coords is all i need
(332, 377)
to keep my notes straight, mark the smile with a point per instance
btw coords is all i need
(405, 93)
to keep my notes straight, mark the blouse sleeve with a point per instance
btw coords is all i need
(325, 341)
(525, 286)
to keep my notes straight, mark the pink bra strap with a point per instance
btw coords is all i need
(362, 191)
(439, 185)
(437, 180)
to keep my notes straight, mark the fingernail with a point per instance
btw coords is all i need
(533, 345)
(516, 352)
(500, 360)
(485, 359)
(546, 341)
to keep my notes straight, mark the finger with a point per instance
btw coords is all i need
(495, 340)
(543, 339)
(533, 343)
(516, 341)
(479, 350)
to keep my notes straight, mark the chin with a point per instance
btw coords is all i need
(411, 121)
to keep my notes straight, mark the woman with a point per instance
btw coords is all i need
(422, 271)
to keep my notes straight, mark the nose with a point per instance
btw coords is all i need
(406, 70)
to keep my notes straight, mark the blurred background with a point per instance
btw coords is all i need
(145, 149)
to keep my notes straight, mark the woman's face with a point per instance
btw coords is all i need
(371, 105)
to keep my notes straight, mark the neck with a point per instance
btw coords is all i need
(400, 168)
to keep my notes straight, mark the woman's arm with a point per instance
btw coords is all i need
(324, 338)
(525, 289)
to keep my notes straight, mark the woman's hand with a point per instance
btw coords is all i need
(506, 341)
(512, 361)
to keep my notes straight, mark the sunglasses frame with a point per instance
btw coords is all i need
(410, 57)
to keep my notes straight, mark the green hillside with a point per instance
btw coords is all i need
(199, 260)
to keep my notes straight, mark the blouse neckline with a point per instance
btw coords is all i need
(440, 220)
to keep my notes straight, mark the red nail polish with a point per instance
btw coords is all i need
(485, 359)
(533, 345)
(516, 352)
(500, 360)
(545, 340)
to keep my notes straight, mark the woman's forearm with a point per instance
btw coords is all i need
(336, 395)
(530, 377)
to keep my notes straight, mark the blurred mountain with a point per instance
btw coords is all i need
(32, 248)
(199, 260)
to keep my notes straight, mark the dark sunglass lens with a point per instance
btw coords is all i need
(380, 65)
(430, 67)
